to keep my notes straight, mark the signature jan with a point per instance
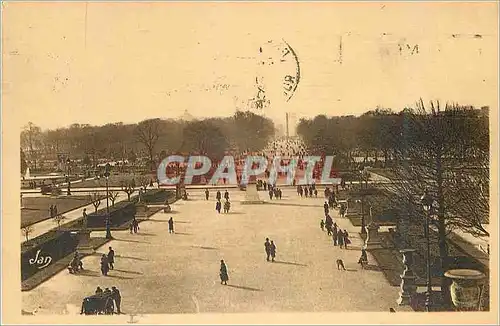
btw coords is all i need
(40, 260)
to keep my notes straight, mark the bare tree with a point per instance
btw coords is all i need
(143, 181)
(112, 196)
(31, 139)
(95, 199)
(437, 149)
(128, 187)
(147, 133)
(58, 219)
(27, 231)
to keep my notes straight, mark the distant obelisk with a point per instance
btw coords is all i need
(287, 132)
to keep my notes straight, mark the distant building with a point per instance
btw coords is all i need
(186, 116)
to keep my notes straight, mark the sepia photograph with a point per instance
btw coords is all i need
(186, 160)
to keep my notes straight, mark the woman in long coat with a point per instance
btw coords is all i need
(104, 265)
(223, 273)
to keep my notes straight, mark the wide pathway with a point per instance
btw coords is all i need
(49, 224)
(158, 272)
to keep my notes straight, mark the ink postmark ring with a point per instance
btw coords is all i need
(278, 68)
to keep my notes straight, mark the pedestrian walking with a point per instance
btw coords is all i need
(224, 277)
(334, 236)
(104, 265)
(267, 247)
(270, 194)
(218, 206)
(325, 207)
(218, 195)
(227, 206)
(131, 227)
(226, 195)
(273, 250)
(55, 210)
(316, 193)
(51, 209)
(340, 238)
(305, 191)
(346, 239)
(135, 225)
(115, 293)
(170, 225)
(207, 194)
(111, 258)
(322, 225)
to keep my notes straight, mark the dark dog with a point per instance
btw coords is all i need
(340, 263)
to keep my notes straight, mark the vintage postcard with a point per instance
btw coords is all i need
(249, 162)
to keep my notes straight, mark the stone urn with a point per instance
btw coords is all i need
(466, 289)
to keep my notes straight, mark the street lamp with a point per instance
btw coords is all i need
(68, 161)
(108, 226)
(363, 222)
(427, 202)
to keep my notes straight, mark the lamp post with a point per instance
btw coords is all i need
(68, 162)
(108, 226)
(427, 202)
(362, 189)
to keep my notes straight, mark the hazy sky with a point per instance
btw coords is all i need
(132, 61)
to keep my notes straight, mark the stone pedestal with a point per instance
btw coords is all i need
(84, 245)
(408, 286)
(373, 240)
(252, 196)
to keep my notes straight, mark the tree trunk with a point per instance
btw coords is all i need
(443, 248)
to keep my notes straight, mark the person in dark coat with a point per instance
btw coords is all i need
(334, 235)
(226, 195)
(267, 247)
(265, 185)
(340, 238)
(280, 193)
(325, 207)
(131, 227)
(346, 239)
(224, 277)
(55, 210)
(104, 265)
(51, 209)
(271, 193)
(218, 195)
(301, 191)
(273, 250)
(298, 190)
(170, 225)
(364, 257)
(117, 297)
(98, 291)
(111, 258)
(316, 193)
(305, 191)
(327, 192)
(218, 206)
(322, 225)
(135, 225)
(207, 194)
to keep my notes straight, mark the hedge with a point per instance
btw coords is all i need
(45, 250)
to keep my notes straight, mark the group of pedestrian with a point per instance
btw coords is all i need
(114, 294)
(53, 210)
(270, 249)
(307, 190)
(134, 226)
(218, 204)
(76, 264)
(107, 262)
(274, 191)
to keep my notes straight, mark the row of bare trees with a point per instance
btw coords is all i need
(439, 149)
(118, 141)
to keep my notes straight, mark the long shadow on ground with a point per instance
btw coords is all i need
(244, 287)
(288, 263)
